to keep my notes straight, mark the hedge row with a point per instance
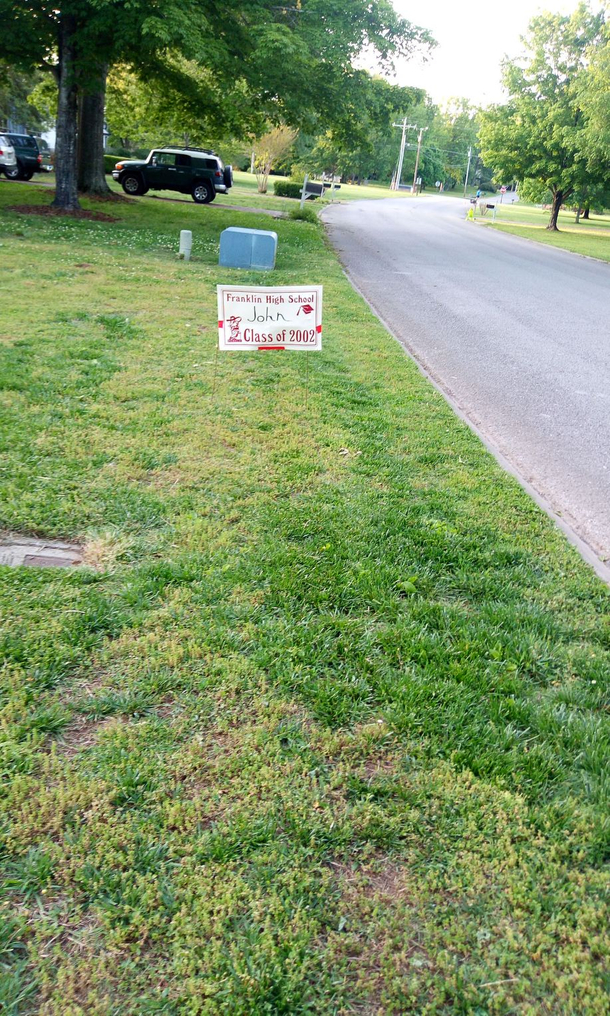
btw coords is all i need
(110, 162)
(287, 189)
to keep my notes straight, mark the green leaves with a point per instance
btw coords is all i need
(542, 133)
(408, 586)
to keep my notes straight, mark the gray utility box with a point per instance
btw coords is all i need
(248, 248)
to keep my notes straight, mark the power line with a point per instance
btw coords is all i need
(467, 170)
(445, 151)
(421, 134)
(404, 126)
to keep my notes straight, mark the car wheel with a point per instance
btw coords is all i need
(12, 172)
(203, 192)
(132, 184)
(26, 175)
(228, 176)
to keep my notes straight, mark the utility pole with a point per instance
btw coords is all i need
(467, 170)
(405, 127)
(421, 134)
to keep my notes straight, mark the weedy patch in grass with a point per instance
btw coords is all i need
(326, 731)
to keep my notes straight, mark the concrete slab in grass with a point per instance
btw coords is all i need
(34, 552)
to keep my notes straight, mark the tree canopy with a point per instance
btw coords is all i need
(291, 64)
(21, 99)
(541, 133)
(594, 97)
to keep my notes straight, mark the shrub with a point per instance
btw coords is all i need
(287, 189)
(110, 162)
(306, 214)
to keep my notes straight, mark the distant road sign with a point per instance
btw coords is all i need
(502, 190)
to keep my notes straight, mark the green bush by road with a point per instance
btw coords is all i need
(287, 189)
(323, 727)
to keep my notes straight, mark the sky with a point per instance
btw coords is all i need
(471, 45)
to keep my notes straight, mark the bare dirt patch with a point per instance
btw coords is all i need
(376, 767)
(383, 879)
(81, 733)
(383, 942)
(48, 210)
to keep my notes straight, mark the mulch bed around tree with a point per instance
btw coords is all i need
(112, 196)
(49, 210)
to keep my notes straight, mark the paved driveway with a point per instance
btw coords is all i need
(516, 333)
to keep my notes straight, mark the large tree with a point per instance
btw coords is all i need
(451, 132)
(540, 134)
(186, 104)
(362, 143)
(594, 96)
(77, 40)
(292, 60)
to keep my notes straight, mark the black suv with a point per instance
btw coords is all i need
(29, 159)
(195, 171)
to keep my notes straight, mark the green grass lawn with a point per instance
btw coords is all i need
(520, 212)
(244, 192)
(322, 728)
(245, 182)
(588, 236)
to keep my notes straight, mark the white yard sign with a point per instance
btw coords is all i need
(270, 317)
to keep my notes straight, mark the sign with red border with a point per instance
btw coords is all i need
(269, 317)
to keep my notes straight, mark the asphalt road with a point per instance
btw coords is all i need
(518, 335)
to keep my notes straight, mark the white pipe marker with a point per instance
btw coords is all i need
(186, 243)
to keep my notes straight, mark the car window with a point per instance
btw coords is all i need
(164, 158)
(23, 141)
(183, 160)
(210, 163)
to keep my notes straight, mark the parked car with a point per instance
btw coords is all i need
(195, 171)
(46, 165)
(7, 154)
(27, 155)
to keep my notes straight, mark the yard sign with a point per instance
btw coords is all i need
(270, 317)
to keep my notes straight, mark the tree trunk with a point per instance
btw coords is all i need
(578, 214)
(91, 175)
(66, 194)
(557, 203)
(585, 214)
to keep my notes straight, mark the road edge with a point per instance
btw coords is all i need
(601, 569)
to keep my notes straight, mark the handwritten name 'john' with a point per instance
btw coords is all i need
(267, 316)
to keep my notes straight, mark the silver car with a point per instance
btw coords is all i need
(7, 154)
